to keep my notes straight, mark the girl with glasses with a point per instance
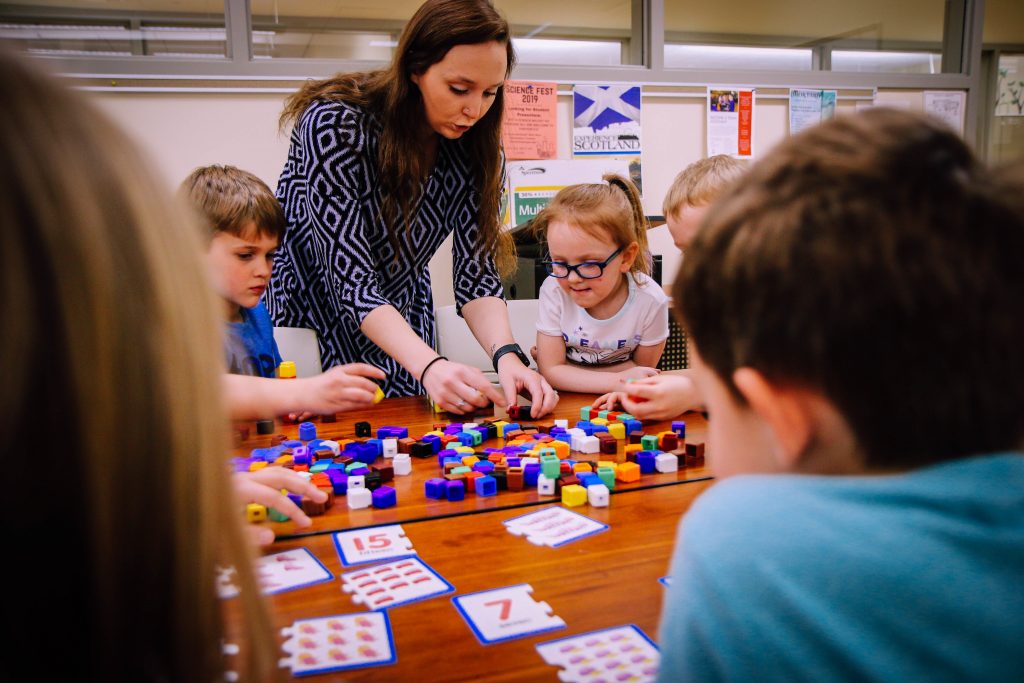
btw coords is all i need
(602, 319)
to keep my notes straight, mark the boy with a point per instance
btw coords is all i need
(247, 224)
(855, 310)
(698, 185)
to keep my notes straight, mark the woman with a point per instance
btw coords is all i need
(383, 166)
(114, 374)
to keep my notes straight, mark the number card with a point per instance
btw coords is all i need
(554, 526)
(317, 646)
(394, 583)
(372, 545)
(289, 570)
(506, 613)
(624, 653)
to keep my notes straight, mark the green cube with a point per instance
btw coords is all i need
(551, 466)
(649, 442)
(607, 475)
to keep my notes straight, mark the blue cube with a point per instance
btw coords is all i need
(679, 427)
(339, 481)
(486, 486)
(307, 431)
(530, 474)
(589, 479)
(435, 488)
(454, 490)
(646, 460)
(484, 466)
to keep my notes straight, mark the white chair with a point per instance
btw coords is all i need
(301, 346)
(456, 342)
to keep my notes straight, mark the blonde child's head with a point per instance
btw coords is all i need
(115, 351)
(246, 225)
(692, 192)
(596, 235)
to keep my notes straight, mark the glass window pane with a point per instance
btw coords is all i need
(906, 35)
(1004, 23)
(573, 32)
(161, 28)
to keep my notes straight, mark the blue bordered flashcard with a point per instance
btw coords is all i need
(349, 641)
(394, 583)
(372, 545)
(506, 613)
(554, 526)
(624, 652)
(290, 570)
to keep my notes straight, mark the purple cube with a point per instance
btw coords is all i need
(530, 474)
(339, 481)
(389, 432)
(484, 466)
(384, 497)
(435, 488)
(434, 440)
(679, 427)
(454, 490)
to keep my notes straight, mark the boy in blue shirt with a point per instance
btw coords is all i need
(247, 225)
(855, 306)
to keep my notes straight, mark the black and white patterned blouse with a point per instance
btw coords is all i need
(336, 264)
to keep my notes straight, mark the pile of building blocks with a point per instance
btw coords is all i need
(577, 464)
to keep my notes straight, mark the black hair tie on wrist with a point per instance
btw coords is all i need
(424, 373)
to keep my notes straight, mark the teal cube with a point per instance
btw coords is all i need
(649, 442)
(607, 475)
(550, 466)
(585, 414)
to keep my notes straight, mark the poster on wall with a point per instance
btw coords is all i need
(948, 106)
(528, 128)
(606, 123)
(1010, 88)
(810, 107)
(532, 184)
(730, 124)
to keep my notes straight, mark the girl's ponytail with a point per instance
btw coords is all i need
(639, 220)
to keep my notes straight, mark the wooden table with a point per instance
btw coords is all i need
(416, 414)
(605, 580)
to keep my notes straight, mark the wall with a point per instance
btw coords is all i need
(183, 131)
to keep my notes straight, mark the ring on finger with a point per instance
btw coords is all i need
(460, 403)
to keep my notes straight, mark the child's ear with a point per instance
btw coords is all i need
(788, 413)
(628, 256)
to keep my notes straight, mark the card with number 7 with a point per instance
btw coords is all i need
(506, 613)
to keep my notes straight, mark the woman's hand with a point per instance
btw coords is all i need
(459, 388)
(264, 487)
(516, 377)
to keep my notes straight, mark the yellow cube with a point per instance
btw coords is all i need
(470, 460)
(378, 395)
(582, 467)
(284, 460)
(606, 463)
(599, 421)
(255, 512)
(633, 448)
(561, 449)
(436, 433)
(464, 449)
(254, 466)
(618, 430)
(574, 495)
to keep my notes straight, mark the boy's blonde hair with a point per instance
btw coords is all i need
(230, 199)
(116, 349)
(611, 208)
(701, 182)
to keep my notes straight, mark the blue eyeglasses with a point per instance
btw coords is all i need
(588, 270)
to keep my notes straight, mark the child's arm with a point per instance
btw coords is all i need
(648, 356)
(567, 377)
(339, 389)
(264, 487)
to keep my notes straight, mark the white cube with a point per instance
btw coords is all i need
(597, 495)
(402, 464)
(545, 486)
(333, 445)
(528, 460)
(357, 481)
(564, 424)
(666, 462)
(358, 498)
(390, 447)
(589, 444)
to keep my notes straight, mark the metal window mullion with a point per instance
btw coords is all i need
(238, 23)
(974, 17)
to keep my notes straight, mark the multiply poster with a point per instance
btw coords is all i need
(528, 128)
(810, 107)
(730, 125)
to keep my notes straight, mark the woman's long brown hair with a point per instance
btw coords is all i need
(437, 27)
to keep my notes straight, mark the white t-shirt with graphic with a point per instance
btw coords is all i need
(642, 321)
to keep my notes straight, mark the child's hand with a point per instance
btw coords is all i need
(264, 487)
(638, 372)
(609, 401)
(661, 397)
(341, 388)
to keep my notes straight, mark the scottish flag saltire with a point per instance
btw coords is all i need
(606, 120)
